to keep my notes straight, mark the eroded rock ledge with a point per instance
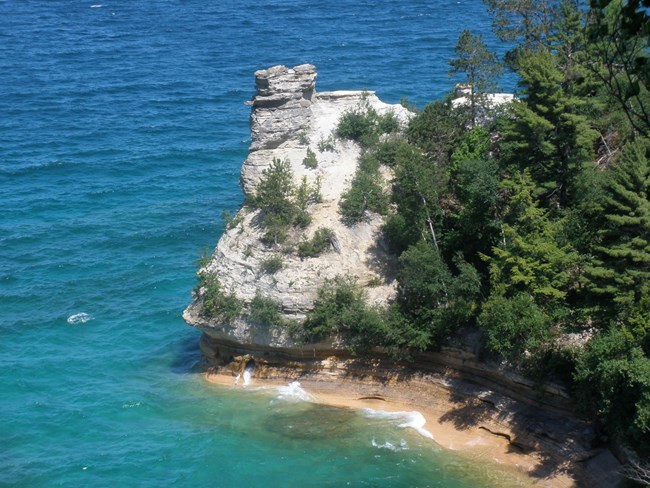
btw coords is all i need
(289, 117)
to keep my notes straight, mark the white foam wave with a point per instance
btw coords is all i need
(403, 446)
(248, 372)
(79, 318)
(414, 420)
(97, 5)
(293, 392)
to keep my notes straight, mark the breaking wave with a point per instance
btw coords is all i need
(414, 420)
(79, 318)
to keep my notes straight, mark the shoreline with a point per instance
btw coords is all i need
(450, 419)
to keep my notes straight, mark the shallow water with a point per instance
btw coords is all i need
(122, 132)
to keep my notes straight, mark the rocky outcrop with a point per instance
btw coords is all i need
(288, 118)
(281, 106)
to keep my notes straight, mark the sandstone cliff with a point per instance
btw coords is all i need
(288, 118)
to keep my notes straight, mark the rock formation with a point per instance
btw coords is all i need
(288, 118)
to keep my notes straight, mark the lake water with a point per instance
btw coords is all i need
(122, 132)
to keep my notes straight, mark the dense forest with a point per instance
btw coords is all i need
(531, 222)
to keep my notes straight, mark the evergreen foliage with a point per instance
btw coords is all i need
(274, 197)
(526, 22)
(530, 228)
(281, 203)
(417, 189)
(431, 297)
(475, 224)
(218, 304)
(320, 242)
(613, 380)
(436, 131)
(364, 125)
(310, 160)
(481, 68)
(620, 43)
(265, 311)
(366, 192)
(620, 272)
(546, 133)
(340, 310)
(532, 257)
(272, 264)
(517, 328)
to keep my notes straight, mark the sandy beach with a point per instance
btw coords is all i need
(450, 419)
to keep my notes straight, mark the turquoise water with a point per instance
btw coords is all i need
(122, 131)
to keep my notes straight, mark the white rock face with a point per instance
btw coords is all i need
(288, 117)
(488, 106)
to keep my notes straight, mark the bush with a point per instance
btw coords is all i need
(319, 243)
(433, 298)
(390, 151)
(366, 192)
(388, 123)
(231, 221)
(265, 311)
(358, 125)
(327, 144)
(303, 138)
(218, 304)
(613, 382)
(340, 310)
(281, 203)
(310, 160)
(272, 265)
(436, 130)
(516, 327)
(364, 125)
(274, 197)
(305, 194)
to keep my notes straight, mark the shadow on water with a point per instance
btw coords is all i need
(187, 354)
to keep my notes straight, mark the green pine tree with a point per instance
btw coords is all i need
(547, 132)
(481, 68)
(621, 267)
(275, 198)
(532, 257)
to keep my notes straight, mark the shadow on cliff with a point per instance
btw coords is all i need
(382, 262)
(559, 443)
(187, 354)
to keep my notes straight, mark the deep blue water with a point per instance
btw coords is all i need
(122, 131)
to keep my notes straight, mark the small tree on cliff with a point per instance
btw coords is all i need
(275, 198)
(480, 67)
